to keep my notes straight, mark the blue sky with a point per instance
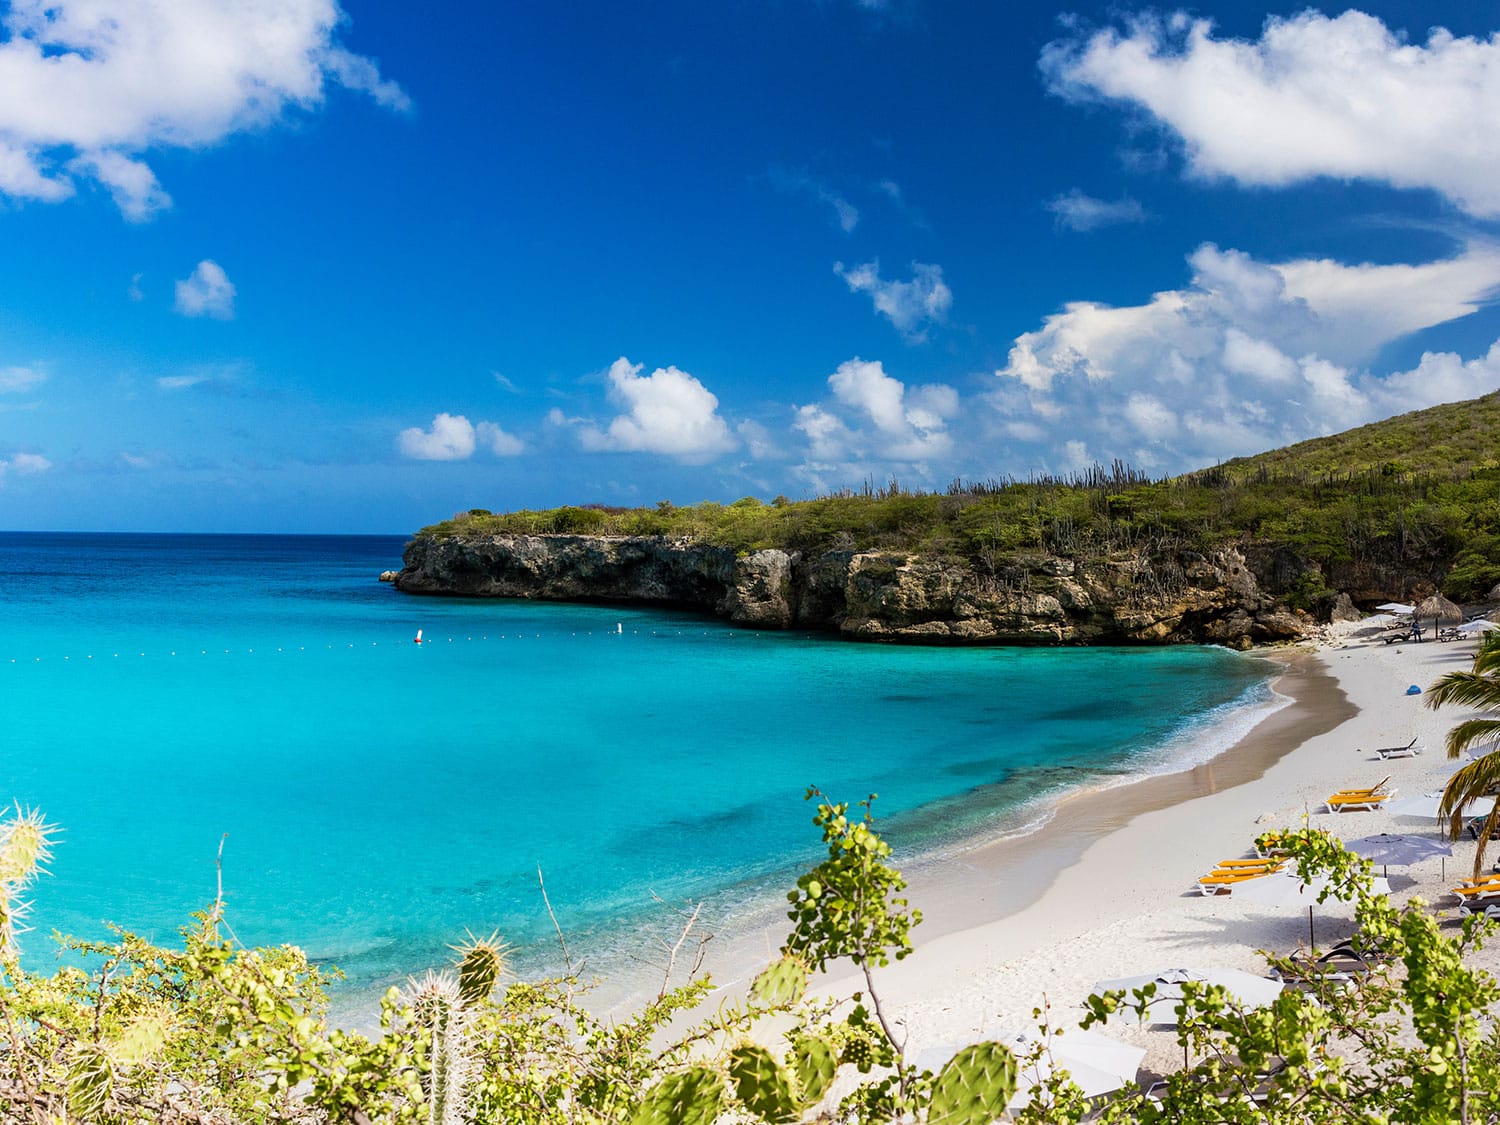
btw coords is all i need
(297, 267)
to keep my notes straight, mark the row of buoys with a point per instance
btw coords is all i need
(419, 639)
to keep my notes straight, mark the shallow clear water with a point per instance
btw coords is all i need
(377, 798)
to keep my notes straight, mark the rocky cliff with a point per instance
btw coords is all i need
(875, 595)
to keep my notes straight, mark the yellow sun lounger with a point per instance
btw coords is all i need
(1374, 790)
(1263, 862)
(1222, 880)
(1363, 802)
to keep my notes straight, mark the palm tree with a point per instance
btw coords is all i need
(1478, 688)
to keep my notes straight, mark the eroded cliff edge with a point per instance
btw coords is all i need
(1125, 598)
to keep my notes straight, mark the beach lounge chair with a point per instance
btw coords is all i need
(1411, 749)
(1483, 880)
(1260, 861)
(1222, 880)
(1486, 908)
(1483, 892)
(1357, 802)
(1374, 790)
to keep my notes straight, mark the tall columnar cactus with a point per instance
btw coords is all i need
(437, 1007)
(974, 1087)
(25, 848)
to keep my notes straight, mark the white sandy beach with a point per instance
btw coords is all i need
(1125, 906)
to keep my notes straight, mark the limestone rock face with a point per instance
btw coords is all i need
(1343, 609)
(1124, 598)
(762, 593)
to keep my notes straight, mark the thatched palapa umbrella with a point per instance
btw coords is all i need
(1439, 609)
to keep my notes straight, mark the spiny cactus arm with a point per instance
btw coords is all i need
(974, 1087)
(481, 964)
(762, 1085)
(782, 983)
(815, 1062)
(25, 848)
(689, 1097)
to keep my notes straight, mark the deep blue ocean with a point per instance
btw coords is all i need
(376, 799)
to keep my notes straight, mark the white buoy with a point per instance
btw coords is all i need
(418, 638)
(619, 628)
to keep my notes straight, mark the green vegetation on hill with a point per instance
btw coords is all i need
(1413, 497)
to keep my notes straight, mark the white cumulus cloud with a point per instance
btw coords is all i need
(909, 305)
(1344, 96)
(668, 411)
(23, 465)
(875, 421)
(452, 437)
(207, 291)
(87, 87)
(497, 441)
(1248, 356)
(449, 438)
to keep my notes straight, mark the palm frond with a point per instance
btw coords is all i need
(1472, 732)
(1468, 784)
(1466, 689)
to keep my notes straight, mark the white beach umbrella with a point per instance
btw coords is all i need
(1248, 989)
(1391, 849)
(1286, 891)
(1095, 1063)
(1426, 806)
(1479, 626)
(1397, 607)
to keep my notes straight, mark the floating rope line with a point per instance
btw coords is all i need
(482, 638)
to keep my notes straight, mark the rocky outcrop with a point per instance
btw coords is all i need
(876, 595)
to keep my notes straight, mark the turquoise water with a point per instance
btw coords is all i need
(377, 798)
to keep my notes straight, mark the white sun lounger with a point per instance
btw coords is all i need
(1410, 750)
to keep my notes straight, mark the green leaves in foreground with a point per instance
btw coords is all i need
(974, 1087)
(847, 905)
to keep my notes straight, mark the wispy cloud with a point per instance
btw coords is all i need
(93, 85)
(795, 182)
(16, 379)
(1080, 212)
(911, 306)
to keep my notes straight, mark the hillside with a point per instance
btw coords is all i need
(1453, 438)
(1382, 511)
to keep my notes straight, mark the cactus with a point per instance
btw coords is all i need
(91, 1080)
(481, 964)
(689, 1097)
(782, 983)
(762, 1085)
(814, 1061)
(25, 848)
(974, 1087)
(437, 1006)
